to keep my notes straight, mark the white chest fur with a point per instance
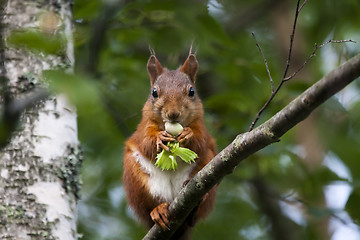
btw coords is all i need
(164, 184)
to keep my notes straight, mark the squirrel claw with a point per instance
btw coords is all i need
(160, 215)
(185, 135)
(160, 145)
(161, 139)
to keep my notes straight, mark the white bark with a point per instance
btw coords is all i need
(38, 169)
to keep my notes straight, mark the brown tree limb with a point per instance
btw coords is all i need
(248, 143)
(97, 38)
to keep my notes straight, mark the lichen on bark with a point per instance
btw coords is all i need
(69, 170)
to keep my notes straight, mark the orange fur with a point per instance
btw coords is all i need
(173, 103)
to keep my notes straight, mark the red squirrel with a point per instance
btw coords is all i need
(149, 189)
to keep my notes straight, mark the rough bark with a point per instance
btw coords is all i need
(39, 167)
(248, 143)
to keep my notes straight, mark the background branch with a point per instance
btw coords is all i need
(248, 143)
(98, 35)
(96, 44)
(282, 228)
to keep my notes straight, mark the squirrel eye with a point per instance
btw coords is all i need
(191, 92)
(154, 93)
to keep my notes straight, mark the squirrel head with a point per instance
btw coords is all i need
(173, 96)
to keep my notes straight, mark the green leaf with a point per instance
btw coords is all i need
(185, 154)
(37, 41)
(167, 160)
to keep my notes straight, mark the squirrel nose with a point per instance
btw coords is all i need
(173, 115)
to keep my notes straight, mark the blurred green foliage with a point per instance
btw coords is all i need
(37, 41)
(110, 86)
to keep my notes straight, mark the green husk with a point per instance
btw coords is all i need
(167, 160)
(185, 154)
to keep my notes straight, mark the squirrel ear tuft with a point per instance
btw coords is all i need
(154, 68)
(190, 67)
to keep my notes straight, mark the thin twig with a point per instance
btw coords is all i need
(266, 65)
(257, 117)
(313, 55)
(291, 40)
(302, 5)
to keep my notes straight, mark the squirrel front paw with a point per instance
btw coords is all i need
(185, 136)
(162, 138)
(160, 215)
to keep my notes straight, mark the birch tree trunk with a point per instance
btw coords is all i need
(39, 167)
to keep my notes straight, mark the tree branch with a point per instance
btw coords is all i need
(101, 25)
(248, 143)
